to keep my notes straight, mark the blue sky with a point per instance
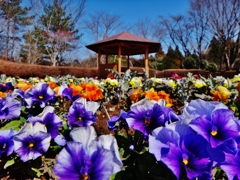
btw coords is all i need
(132, 10)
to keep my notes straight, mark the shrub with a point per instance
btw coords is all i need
(204, 64)
(212, 67)
(190, 63)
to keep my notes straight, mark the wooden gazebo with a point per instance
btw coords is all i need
(124, 44)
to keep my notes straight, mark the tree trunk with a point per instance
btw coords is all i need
(13, 40)
(7, 39)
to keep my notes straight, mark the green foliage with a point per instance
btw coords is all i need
(212, 67)
(171, 60)
(13, 124)
(190, 63)
(203, 64)
(54, 35)
(16, 18)
(215, 51)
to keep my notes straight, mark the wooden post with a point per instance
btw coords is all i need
(99, 63)
(128, 61)
(106, 58)
(146, 60)
(119, 59)
(99, 58)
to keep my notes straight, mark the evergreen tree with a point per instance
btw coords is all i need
(172, 58)
(15, 17)
(31, 50)
(57, 33)
(214, 51)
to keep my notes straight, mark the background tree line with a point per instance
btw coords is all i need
(38, 31)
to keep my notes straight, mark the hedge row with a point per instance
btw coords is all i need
(27, 70)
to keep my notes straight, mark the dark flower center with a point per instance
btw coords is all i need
(31, 145)
(214, 131)
(84, 177)
(185, 159)
(147, 122)
(40, 97)
(4, 146)
(80, 118)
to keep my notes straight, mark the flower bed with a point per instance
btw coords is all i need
(122, 128)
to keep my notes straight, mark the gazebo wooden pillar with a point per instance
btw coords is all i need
(99, 58)
(146, 60)
(124, 44)
(119, 59)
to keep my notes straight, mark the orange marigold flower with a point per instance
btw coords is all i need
(135, 95)
(2, 95)
(166, 97)
(52, 85)
(23, 85)
(91, 87)
(56, 89)
(76, 89)
(83, 85)
(151, 94)
(221, 94)
(91, 92)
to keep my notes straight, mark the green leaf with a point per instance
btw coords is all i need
(14, 124)
(9, 163)
(112, 177)
(38, 173)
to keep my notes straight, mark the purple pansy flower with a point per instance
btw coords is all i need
(179, 147)
(18, 93)
(65, 92)
(232, 167)
(52, 121)
(200, 107)
(88, 157)
(6, 142)
(60, 140)
(147, 115)
(218, 128)
(41, 93)
(10, 108)
(112, 123)
(74, 162)
(32, 141)
(6, 87)
(178, 157)
(81, 113)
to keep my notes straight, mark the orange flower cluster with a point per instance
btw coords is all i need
(3, 95)
(151, 94)
(52, 85)
(23, 85)
(87, 90)
(221, 94)
(135, 95)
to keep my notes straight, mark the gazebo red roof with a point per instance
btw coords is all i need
(130, 45)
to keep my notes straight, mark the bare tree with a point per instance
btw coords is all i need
(101, 24)
(224, 16)
(143, 27)
(199, 16)
(179, 31)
